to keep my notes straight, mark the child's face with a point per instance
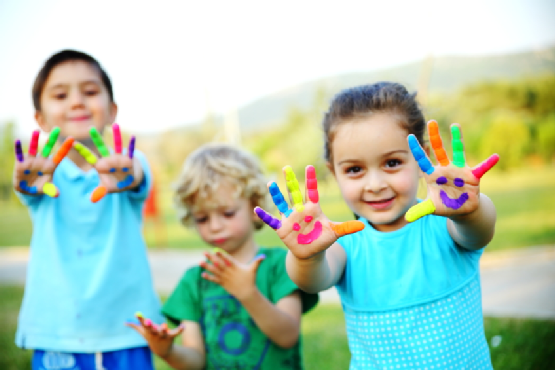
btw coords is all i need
(375, 170)
(75, 99)
(230, 224)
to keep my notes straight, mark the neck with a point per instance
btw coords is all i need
(247, 252)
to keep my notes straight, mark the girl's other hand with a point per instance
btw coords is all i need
(304, 228)
(117, 171)
(236, 278)
(159, 337)
(453, 187)
(33, 174)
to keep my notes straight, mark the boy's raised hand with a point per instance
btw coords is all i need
(236, 278)
(159, 337)
(116, 171)
(33, 174)
(453, 187)
(304, 229)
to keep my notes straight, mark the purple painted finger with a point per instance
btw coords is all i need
(18, 151)
(131, 149)
(268, 219)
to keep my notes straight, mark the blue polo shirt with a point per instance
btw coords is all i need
(88, 271)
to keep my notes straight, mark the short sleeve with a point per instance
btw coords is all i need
(184, 303)
(141, 192)
(282, 284)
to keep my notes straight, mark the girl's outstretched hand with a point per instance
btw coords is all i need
(304, 229)
(33, 174)
(159, 337)
(116, 171)
(453, 187)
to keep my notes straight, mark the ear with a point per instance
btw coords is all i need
(39, 117)
(113, 111)
(330, 167)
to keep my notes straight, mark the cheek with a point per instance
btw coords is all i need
(406, 182)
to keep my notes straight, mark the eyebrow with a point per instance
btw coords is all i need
(96, 82)
(383, 155)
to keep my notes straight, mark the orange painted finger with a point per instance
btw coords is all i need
(98, 193)
(437, 145)
(64, 149)
(348, 227)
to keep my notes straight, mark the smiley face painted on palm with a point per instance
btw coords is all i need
(446, 199)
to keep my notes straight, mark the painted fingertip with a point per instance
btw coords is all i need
(98, 194)
(18, 151)
(260, 256)
(133, 321)
(51, 190)
(148, 322)
(139, 314)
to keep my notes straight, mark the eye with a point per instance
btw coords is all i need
(91, 92)
(60, 96)
(229, 214)
(201, 220)
(391, 163)
(353, 169)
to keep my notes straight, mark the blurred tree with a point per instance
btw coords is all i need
(507, 136)
(7, 159)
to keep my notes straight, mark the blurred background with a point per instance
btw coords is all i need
(261, 74)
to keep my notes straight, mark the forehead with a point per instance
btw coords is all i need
(72, 71)
(373, 135)
(224, 196)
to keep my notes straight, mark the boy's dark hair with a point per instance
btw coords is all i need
(61, 57)
(365, 100)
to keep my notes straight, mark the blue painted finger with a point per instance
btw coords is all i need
(279, 200)
(268, 219)
(420, 156)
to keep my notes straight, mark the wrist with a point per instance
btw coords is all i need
(248, 295)
(168, 352)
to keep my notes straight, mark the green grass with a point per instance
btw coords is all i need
(524, 201)
(525, 343)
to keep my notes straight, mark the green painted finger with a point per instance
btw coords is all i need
(294, 189)
(458, 148)
(51, 142)
(420, 210)
(98, 142)
(85, 153)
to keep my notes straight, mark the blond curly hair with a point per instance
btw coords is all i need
(209, 167)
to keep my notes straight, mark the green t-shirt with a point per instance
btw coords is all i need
(232, 339)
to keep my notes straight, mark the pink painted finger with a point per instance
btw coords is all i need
(131, 149)
(312, 184)
(18, 151)
(485, 166)
(33, 146)
(117, 137)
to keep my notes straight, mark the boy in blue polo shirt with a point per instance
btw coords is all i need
(88, 271)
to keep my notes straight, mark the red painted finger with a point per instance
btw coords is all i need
(485, 166)
(227, 261)
(311, 184)
(34, 144)
(117, 137)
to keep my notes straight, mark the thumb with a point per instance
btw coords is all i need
(348, 227)
(257, 261)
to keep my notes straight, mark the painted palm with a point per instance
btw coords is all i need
(453, 186)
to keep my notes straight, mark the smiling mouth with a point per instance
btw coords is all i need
(381, 203)
(311, 236)
(453, 203)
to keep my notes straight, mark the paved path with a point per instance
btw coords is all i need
(519, 283)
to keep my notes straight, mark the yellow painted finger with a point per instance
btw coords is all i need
(422, 209)
(294, 189)
(50, 189)
(85, 153)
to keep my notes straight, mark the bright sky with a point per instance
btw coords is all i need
(167, 59)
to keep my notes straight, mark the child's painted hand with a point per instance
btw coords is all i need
(453, 187)
(159, 337)
(33, 174)
(117, 172)
(236, 278)
(304, 229)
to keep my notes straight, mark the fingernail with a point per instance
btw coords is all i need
(139, 314)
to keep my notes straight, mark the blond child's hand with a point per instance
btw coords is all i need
(236, 278)
(453, 187)
(117, 171)
(304, 229)
(33, 174)
(159, 337)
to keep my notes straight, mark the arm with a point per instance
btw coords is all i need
(474, 230)
(319, 272)
(189, 356)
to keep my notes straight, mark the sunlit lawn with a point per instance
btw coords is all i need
(525, 344)
(524, 201)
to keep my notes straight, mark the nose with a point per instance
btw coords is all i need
(215, 223)
(76, 99)
(375, 182)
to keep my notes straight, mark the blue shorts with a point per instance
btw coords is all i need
(139, 358)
